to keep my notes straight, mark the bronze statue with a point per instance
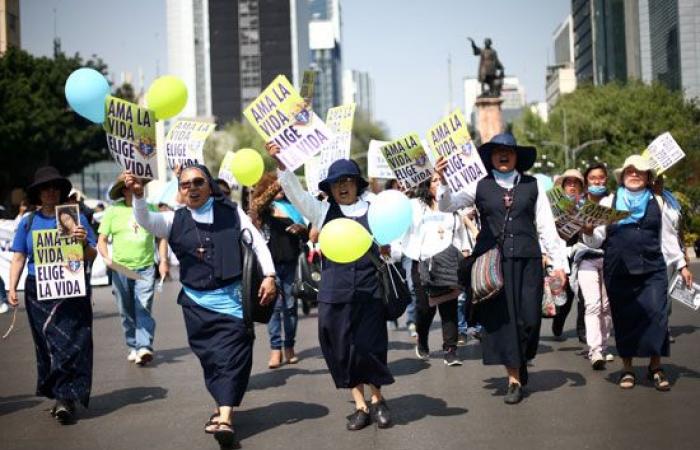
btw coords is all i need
(491, 71)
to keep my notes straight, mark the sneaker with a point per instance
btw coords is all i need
(422, 353)
(133, 356)
(598, 362)
(514, 394)
(144, 356)
(462, 340)
(4, 307)
(451, 358)
(609, 357)
(412, 330)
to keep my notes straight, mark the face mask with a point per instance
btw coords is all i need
(597, 190)
(503, 175)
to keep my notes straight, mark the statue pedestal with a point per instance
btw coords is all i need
(489, 120)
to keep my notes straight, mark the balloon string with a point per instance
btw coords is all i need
(12, 325)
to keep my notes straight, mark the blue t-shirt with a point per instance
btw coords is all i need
(23, 237)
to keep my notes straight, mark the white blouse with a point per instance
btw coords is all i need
(544, 220)
(670, 247)
(160, 223)
(431, 232)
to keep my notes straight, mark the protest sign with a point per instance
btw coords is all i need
(281, 116)
(67, 219)
(225, 168)
(131, 137)
(450, 138)
(407, 159)
(60, 272)
(377, 167)
(680, 292)
(663, 153)
(339, 120)
(307, 87)
(570, 218)
(185, 142)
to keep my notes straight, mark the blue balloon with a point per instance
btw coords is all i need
(389, 216)
(544, 181)
(86, 90)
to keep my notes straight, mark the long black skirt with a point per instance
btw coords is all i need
(639, 308)
(224, 348)
(511, 321)
(354, 343)
(62, 333)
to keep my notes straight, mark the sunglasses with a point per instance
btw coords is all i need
(193, 183)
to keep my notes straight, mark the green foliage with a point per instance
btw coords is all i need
(126, 92)
(629, 116)
(36, 125)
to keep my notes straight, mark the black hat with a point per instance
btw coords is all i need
(44, 176)
(526, 155)
(343, 168)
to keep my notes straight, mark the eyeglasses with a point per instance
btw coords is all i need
(193, 183)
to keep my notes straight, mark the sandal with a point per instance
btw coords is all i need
(211, 425)
(627, 380)
(659, 378)
(225, 436)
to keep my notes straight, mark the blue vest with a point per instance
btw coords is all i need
(340, 282)
(520, 239)
(221, 262)
(635, 248)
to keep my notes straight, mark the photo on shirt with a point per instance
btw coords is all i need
(67, 219)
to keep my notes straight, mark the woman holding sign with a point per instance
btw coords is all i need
(351, 317)
(206, 237)
(638, 250)
(61, 323)
(516, 216)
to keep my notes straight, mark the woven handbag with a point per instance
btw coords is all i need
(487, 271)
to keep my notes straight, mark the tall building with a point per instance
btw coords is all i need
(561, 76)
(9, 25)
(227, 51)
(358, 88)
(325, 37)
(600, 42)
(325, 60)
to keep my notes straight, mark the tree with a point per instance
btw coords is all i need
(36, 125)
(628, 116)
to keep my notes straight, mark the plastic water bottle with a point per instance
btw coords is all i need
(556, 288)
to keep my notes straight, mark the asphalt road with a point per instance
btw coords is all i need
(164, 405)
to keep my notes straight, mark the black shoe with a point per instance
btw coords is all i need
(358, 420)
(523, 374)
(422, 352)
(557, 330)
(381, 414)
(514, 395)
(64, 412)
(451, 357)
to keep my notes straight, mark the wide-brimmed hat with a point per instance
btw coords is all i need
(525, 155)
(638, 162)
(115, 191)
(343, 168)
(46, 175)
(570, 173)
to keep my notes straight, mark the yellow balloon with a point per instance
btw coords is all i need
(167, 96)
(247, 166)
(344, 240)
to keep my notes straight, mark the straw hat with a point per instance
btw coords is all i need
(570, 173)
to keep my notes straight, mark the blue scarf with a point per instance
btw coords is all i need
(634, 202)
(671, 200)
(289, 210)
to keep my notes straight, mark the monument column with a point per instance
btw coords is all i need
(489, 119)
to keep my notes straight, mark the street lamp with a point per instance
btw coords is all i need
(570, 154)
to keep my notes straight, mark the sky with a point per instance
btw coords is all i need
(403, 44)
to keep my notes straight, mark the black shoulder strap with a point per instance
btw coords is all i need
(30, 221)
